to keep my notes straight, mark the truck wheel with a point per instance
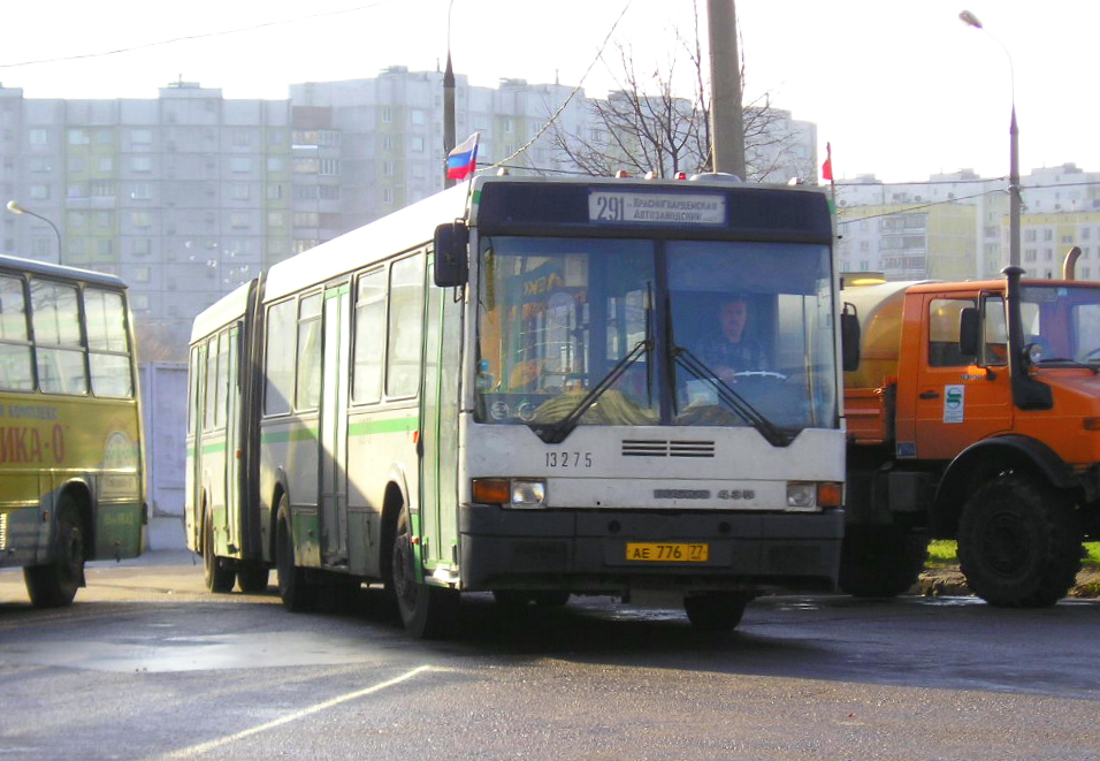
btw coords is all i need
(217, 578)
(293, 589)
(716, 611)
(1019, 543)
(54, 585)
(881, 561)
(427, 611)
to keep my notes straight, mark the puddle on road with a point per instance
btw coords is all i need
(223, 651)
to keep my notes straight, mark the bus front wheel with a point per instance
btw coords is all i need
(54, 585)
(427, 611)
(716, 611)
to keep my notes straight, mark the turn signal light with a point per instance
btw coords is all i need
(830, 494)
(491, 491)
(1092, 423)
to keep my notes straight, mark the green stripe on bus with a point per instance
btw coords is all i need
(283, 437)
(393, 425)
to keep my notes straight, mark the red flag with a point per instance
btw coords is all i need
(827, 167)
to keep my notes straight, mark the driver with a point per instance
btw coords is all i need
(729, 351)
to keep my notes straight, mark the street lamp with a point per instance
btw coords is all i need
(15, 208)
(1014, 203)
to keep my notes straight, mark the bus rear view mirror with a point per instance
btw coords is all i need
(451, 264)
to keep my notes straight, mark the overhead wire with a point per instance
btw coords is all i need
(191, 37)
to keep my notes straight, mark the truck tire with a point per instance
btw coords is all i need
(881, 561)
(1019, 542)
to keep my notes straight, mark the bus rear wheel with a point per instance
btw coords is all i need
(293, 588)
(252, 577)
(427, 611)
(54, 585)
(217, 578)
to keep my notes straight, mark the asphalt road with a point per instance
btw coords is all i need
(147, 665)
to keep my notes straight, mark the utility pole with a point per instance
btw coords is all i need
(727, 131)
(448, 117)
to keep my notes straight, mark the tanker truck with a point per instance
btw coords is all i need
(974, 415)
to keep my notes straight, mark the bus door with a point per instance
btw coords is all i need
(233, 451)
(334, 426)
(197, 422)
(439, 425)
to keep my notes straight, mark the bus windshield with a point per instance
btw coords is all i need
(651, 332)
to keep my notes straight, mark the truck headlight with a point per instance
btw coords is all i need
(801, 496)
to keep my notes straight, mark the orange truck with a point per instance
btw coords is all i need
(974, 415)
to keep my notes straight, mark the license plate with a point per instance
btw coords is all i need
(664, 552)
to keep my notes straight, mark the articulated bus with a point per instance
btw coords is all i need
(507, 388)
(72, 470)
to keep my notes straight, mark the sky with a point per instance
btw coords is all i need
(901, 89)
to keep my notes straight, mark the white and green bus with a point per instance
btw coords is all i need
(507, 387)
(72, 471)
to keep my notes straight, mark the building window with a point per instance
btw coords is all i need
(241, 192)
(238, 220)
(79, 137)
(38, 136)
(141, 219)
(329, 167)
(106, 164)
(276, 219)
(40, 192)
(275, 164)
(387, 115)
(76, 165)
(141, 136)
(141, 191)
(240, 164)
(274, 192)
(141, 163)
(142, 246)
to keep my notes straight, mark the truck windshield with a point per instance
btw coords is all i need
(561, 318)
(1064, 320)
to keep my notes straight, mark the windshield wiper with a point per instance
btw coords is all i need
(1069, 361)
(555, 433)
(774, 435)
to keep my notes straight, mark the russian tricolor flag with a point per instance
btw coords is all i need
(462, 161)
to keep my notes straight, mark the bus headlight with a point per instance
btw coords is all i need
(801, 496)
(506, 492)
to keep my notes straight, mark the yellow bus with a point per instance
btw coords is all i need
(72, 470)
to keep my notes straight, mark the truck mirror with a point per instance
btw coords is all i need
(849, 338)
(970, 327)
(451, 265)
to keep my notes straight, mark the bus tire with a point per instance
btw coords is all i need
(1019, 542)
(427, 611)
(716, 611)
(252, 577)
(293, 588)
(881, 561)
(54, 584)
(216, 576)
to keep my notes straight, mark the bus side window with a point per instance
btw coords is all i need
(15, 349)
(56, 320)
(370, 321)
(279, 357)
(108, 348)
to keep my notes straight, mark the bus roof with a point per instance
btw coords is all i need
(415, 225)
(225, 310)
(60, 271)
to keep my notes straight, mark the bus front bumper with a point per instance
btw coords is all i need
(586, 551)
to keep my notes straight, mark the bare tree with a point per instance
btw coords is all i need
(644, 126)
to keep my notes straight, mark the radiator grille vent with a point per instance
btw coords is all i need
(660, 448)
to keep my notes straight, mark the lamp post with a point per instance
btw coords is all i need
(1014, 203)
(15, 208)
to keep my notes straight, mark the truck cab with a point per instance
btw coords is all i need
(974, 415)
